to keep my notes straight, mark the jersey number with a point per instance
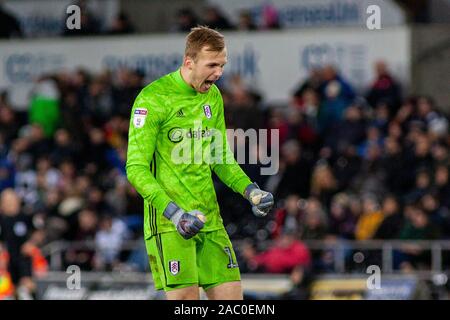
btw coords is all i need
(231, 263)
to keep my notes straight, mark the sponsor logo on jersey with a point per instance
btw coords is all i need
(174, 267)
(177, 134)
(139, 117)
(207, 110)
(141, 111)
(199, 133)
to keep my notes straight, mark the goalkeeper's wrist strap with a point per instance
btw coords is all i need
(249, 189)
(173, 212)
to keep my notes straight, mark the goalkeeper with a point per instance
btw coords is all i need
(186, 241)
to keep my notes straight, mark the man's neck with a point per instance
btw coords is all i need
(186, 75)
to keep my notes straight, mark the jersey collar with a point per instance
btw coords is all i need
(182, 84)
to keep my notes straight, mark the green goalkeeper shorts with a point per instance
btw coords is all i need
(206, 260)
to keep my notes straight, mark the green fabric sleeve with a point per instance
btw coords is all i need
(142, 138)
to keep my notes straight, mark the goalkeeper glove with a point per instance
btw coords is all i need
(188, 223)
(261, 201)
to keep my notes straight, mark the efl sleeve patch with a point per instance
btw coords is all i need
(139, 117)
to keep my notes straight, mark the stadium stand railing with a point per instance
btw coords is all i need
(340, 248)
(341, 282)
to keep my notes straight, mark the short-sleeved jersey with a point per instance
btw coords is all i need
(173, 147)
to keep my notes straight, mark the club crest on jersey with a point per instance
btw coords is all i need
(207, 110)
(174, 267)
(139, 117)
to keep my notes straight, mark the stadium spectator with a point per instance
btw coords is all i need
(341, 220)
(270, 17)
(312, 82)
(336, 93)
(373, 138)
(286, 253)
(323, 183)
(370, 219)
(295, 171)
(392, 222)
(96, 200)
(277, 121)
(99, 102)
(7, 174)
(350, 130)
(346, 167)
(121, 25)
(68, 178)
(288, 216)
(56, 225)
(381, 118)
(128, 83)
(6, 284)
(431, 118)
(392, 162)
(420, 157)
(9, 124)
(39, 264)
(63, 149)
(302, 127)
(85, 230)
(309, 107)
(44, 105)
(384, 89)
(370, 177)
(246, 22)
(109, 240)
(186, 19)
(422, 186)
(314, 220)
(440, 153)
(18, 234)
(314, 226)
(417, 227)
(215, 19)
(243, 111)
(438, 214)
(405, 114)
(442, 185)
(96, 149)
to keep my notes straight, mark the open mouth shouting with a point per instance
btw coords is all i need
(207, 84)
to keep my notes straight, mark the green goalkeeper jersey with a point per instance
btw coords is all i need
(177, 136)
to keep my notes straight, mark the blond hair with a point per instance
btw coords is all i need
(201, 37)
(322, 179)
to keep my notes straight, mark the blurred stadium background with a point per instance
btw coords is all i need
(364, 163)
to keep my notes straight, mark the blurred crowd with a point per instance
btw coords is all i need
(354, 166)
(371, 165)
(213, 17)
(90, 24)
(183, 20)
(64, 159)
